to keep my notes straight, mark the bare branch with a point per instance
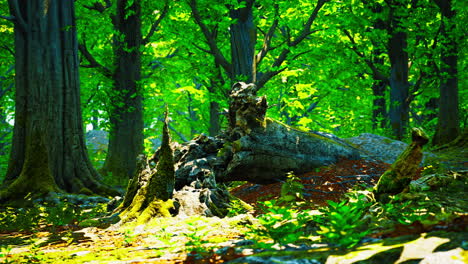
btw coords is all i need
(306, 29)
(267, 39)
(156, 23)
(8, 49)
(210, 38)
(93, 63)
(202, 49)
(9, 18)
(267, 76)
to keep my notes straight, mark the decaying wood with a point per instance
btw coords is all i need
(400, 174)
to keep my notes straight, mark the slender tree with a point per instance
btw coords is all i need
(48, 151)
(126, 99)
(448, 127)
(245, 60)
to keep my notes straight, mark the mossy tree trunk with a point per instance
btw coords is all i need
(149, 193)
(400, 174)
(48, 150)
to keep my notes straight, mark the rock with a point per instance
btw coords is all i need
(113, 203)
(195, 200)
(379, 147)
(188, 202)
(433, 181)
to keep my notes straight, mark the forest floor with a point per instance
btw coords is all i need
(220, 240)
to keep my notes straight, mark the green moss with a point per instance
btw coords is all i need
(162, 183)
(156, 208)
(400, 174)
(86, 191)
(35, 178)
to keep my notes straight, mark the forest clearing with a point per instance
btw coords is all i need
(233, 131)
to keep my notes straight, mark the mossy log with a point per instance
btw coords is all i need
(262, 150)
(400, 174)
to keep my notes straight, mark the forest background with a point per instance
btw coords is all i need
(342, 67)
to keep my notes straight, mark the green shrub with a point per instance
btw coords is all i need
(342, 224)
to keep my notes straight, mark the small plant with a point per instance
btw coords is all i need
(341, 223)
(282, 224)
(401, 212)
(5, 253)
(282, 220)
(195, 238)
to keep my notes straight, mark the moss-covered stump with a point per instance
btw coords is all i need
(149, 193)
(400, 174)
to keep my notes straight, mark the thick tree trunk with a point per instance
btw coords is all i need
(243, 39)
(126, 116)
(448, 127)
(48, 144)
(399, 85)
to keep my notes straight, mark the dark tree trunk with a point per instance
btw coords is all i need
(215, 125)
(448, 127)
(399, 85)
(48, 144)
(379, 112)
(126, 116)
(243, 39)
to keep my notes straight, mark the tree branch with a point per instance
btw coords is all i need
(93, 63)
(210, 38)
(156, 23)
(376, 74)
(267, 39)
(98, 6)
(8, 49)
(306, 29)
(9, 18)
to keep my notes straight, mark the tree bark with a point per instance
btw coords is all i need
(448, 127)
(399, 85)
(126, 115)
(48, 150)
(379, 112)
(243, 38)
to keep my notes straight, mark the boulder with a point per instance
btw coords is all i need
(381, 148)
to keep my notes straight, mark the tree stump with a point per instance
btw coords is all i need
(400, 174)
(149, 193)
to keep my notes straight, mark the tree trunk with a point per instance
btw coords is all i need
(379, 112)
(448, 127)
(243, 39)
(399, 85)
(48, 150)
(126, 115)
